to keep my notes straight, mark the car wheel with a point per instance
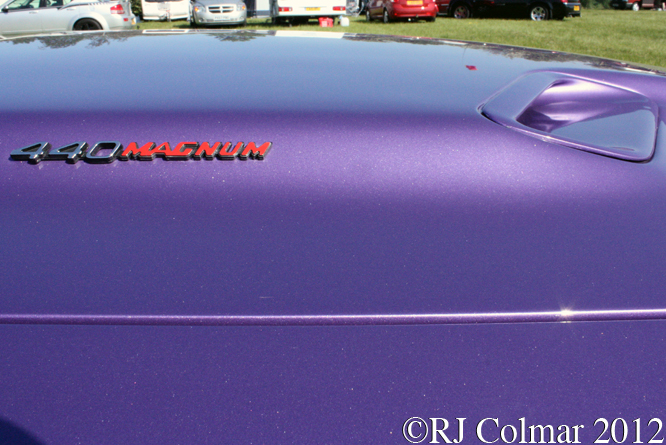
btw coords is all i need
(387, 19)
(539, 13)
(461, 11)
(193, 22)
(636, 6)
(430, 19)
(87, 25)
(367, 15)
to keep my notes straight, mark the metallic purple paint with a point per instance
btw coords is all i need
(157, 385)
(371, 209)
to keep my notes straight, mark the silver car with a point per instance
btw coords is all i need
(44, 16)
(216, 12)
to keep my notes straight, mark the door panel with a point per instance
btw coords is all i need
(55, 18)
(21, 17)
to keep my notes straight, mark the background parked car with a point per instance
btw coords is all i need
(536, 10)
(388, 10)
(460, 9)
(636, 5)
(214, 13)
(38, 16)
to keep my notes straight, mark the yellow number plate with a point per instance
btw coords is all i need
(414, 3)
(576, 8)
(312, 9)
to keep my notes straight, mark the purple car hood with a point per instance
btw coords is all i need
(387, 191)
(474, 188)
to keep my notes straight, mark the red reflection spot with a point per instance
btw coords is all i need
(471, 67)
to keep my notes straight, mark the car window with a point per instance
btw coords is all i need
(57, 3)
(23, 4)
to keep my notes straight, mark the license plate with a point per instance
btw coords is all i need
(222, 19)
(414, 3)
(312, 9)
(576, 8)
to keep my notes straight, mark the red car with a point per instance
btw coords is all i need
(389, 10)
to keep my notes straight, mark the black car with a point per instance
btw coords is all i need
(535, 9)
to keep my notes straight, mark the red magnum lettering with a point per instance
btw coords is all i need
(207, 151)
(183, 151)
(229, 155)
(225, 152)
(255, 152)
(161, 151)
(145, 153)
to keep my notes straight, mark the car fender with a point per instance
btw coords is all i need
(99, 18)
(473, 7)
(549, 6)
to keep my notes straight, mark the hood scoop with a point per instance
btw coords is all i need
(578, 113)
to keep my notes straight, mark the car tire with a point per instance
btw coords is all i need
(431, 19)
(461, 11)
(368, 18)
(636, 6)
(193, 22)
(386, 18)
(539, 12)
(87, 25)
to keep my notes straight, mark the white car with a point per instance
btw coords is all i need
(216, 13)
(44, 16)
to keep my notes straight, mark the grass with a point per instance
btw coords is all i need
(638, 37)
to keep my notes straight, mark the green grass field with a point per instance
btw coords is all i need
(638, 37)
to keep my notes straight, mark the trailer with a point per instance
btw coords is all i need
(165, 10)
(300, 11)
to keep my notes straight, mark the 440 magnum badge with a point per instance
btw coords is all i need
(108, 151)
